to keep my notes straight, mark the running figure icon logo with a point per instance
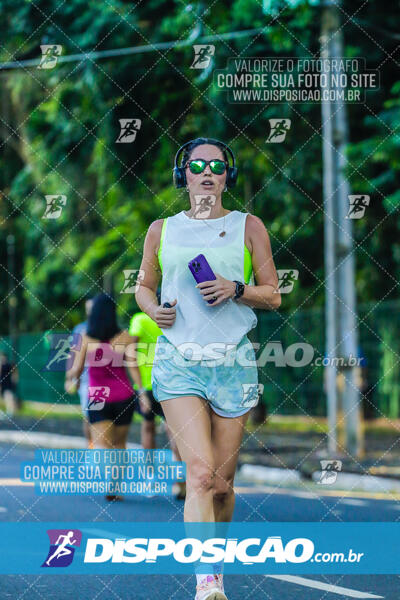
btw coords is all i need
(129, 129)
(50, 54)
(54, 205)
(133, 279)
(251, 394)
(62, 547)
(286, 277)
(329, 471)
(63, 347)
(279, 129)
(203, 206)
(357, 206)
(97, 397)
(202, 55)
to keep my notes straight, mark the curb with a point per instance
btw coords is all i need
(263, 474)
(344, 481)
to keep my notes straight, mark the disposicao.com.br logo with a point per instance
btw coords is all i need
(248, 551)
(178, 548)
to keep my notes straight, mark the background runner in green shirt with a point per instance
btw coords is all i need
(145, 331)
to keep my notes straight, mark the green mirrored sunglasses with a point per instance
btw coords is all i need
(197, 166)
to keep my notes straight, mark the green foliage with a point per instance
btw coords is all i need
(66, 122)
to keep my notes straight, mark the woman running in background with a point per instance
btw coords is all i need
(111, 405)
(8, 384)
(206, 406)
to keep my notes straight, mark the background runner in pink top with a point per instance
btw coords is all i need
(104, 372)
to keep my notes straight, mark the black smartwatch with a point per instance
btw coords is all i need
(239, 291)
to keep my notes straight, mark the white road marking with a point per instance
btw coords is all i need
(308, 495)
(265, 489)
(14, 481)
(319, 585)
(353, 501)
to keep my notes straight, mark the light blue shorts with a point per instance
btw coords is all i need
(231, 388)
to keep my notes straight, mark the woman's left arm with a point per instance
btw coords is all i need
(263, 295)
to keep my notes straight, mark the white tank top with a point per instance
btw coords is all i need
(182, 239)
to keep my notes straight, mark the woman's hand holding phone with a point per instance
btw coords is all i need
(165, 316)
(220, 288)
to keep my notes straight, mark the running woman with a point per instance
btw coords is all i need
(206, 404)
(83, 389)
(144, 332)
(112, 401)
(8, 384)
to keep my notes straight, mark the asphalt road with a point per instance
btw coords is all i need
(253, 503)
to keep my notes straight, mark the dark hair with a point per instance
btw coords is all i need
(200, 142)
(102, 321)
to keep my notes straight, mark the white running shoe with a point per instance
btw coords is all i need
(220, 580)
(210, 589)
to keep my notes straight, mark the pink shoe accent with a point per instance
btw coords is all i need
(220, 580)
(210, 587)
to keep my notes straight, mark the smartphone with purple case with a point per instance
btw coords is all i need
(201, 271)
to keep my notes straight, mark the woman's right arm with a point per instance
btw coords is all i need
(73, 374)
(150, 268)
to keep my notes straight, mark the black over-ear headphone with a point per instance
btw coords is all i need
(179, 174)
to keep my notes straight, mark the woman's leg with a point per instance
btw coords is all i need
(179, 487)
(226, 437)
(106, 435)
(148, 434)
(102, 434)
(119, 436)
(189, 420)
(172, 442)
(10, 401)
